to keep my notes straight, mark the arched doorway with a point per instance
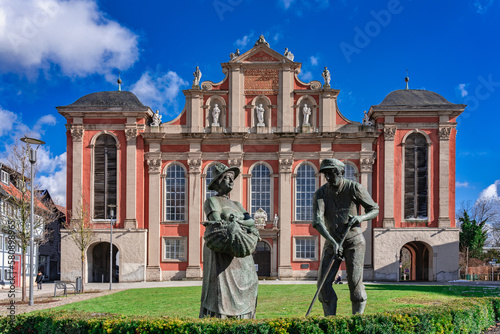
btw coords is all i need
(98, 263)
(414, 262)
(262, 259)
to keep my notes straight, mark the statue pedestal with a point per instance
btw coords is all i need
(306, 128)
(261, 128)
(155, 128)
(216, 128)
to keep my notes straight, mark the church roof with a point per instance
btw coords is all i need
(108, 99)
(413, 97)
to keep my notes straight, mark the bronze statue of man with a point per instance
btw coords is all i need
(230, 281)
(333, 204)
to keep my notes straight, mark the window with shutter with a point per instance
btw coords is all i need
(105, 176)
(415, 177)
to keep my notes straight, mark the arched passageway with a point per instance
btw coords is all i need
(414, 262)
(98, 263)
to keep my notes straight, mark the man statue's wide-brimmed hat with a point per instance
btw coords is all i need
(219, 170)
(329, 164)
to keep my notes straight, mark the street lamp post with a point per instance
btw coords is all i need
(32, 159)
(112, 215)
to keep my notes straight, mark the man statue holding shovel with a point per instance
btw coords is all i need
(337, 218)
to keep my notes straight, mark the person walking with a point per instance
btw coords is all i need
(38, 280)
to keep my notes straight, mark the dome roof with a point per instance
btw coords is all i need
(108, 99)
(413, 97)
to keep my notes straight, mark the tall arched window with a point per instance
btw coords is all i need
(305, 185)
(105, 169)
(208, 179)
(350, 172)
(261, 189)
(175, 194)
(416, 191)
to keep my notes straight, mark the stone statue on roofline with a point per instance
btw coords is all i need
(235, 54)
(197, 77)
(326, 77)
(366, 120)
(288, 54)
(230, 282)
(261, 40)
(156, 119)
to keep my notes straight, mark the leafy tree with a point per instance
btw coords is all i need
(472, 235)
(485, 210)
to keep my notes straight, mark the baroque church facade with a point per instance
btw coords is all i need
(150, 178)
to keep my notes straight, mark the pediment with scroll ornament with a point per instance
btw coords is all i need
(261, 52)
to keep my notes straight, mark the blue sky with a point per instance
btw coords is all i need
(54, 51)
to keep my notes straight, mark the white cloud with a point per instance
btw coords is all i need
(7, 120)
(462, 184)
(242, 42)
(74, 35)
(482, 5)
(461, 89)
(55, 178)
(51, 169)
(306, 76)
(314, 60)
(305, 4)
(158, 90)
(493, 191)
(286, 3)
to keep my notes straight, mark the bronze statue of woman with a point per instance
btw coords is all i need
(230, 281)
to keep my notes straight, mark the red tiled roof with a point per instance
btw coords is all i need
(14, 192)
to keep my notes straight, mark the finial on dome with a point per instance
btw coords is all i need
(406, 80)
(119, 82)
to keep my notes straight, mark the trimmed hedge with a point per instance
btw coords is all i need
(466, 316)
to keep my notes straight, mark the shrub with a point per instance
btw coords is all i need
(465, 316)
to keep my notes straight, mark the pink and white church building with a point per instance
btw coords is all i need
(156, 174)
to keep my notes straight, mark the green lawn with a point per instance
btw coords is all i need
(276, 300)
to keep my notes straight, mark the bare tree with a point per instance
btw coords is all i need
(487, 211)
(18, 207)
(81, 232)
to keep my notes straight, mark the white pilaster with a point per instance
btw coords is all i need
(77, 133)
(444, 178)
(193, 270)
(285, 116)
(131, 175)
(389, 134)
(153, 271)
(236, 102)
(285, 212)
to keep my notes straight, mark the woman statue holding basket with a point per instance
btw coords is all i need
(230, 281)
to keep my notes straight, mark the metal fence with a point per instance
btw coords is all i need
(481, 277)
